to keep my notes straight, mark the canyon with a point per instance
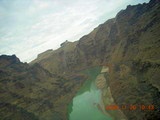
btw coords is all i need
(127, 46)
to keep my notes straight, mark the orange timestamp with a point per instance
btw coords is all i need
(129, 107)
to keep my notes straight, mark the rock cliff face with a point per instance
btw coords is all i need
(130, 45)
(33, 93)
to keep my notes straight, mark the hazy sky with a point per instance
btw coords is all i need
(29, 27)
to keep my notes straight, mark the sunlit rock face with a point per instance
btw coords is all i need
(100, 81)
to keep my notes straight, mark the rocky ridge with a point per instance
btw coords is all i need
(33, 93)
(130, 45)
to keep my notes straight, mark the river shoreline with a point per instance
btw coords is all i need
(106, 97)
(93, 96)
(84, 104)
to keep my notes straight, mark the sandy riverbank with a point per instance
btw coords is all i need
(106, 97)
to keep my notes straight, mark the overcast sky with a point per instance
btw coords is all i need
(29, 27)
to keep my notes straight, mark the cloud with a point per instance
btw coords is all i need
(33, 26)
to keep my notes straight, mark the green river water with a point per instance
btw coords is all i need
(84, 104)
